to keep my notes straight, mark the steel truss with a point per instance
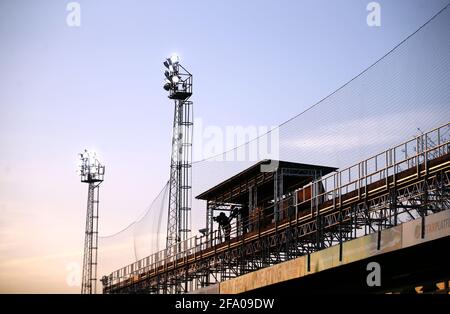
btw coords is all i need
(91, 172)
(89, 274)
(337, 213)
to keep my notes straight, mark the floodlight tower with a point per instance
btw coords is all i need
(91, 172)
(178, 83)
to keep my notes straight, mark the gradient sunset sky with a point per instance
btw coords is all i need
(98, 86)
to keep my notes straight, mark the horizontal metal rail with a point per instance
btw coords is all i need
(410, 154)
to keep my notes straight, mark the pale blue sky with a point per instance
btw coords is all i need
(99, 86)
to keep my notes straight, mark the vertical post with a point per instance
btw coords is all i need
(275, 197)
(394, 204)
(87, 276)
(340, 233)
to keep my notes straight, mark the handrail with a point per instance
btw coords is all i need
(343, 182)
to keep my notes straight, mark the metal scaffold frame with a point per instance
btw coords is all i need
(405, 182)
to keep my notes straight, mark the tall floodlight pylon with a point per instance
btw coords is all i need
(178, 82)
(91, 172)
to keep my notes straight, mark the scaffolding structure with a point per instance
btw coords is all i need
(288, 220)
(91, 172)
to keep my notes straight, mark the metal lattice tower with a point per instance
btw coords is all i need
(179, 85)
(91, 172)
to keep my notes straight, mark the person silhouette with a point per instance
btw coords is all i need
(224, 223)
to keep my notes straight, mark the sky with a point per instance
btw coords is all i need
(99, 86)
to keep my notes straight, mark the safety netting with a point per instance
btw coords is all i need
(404, 93)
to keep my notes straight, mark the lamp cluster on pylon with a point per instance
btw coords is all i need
(172, 72)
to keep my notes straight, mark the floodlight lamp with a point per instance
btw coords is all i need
(167, 74)
(174, 59)
(175, 79)
(167, 63)
(167, 86)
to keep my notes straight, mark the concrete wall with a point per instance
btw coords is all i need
(436, 226)
(281, 272)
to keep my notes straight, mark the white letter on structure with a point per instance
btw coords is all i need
(374, 277)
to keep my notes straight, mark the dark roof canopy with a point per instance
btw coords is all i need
(254, 175)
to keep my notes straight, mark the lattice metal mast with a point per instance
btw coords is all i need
(91, 172)
(178, 83)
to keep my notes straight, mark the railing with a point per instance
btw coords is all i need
(413, 153)
(381, 167)
(192, 247)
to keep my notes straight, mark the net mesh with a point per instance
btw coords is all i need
(405, 92)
